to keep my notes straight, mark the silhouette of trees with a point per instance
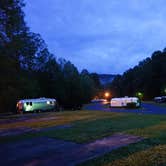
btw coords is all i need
(148, 77)
(29, 70)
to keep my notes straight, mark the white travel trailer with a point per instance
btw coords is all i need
(125, 102)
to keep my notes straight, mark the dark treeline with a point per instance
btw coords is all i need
(148, 78)
(29, 70)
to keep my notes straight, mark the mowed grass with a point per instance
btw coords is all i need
(149, 152)
(128, 155)
(87, 126)
(50, 119)
(155, 156)
(90, 130)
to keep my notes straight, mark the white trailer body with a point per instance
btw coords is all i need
(124, 102)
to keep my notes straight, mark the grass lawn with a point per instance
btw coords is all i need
(45, 120)
(90, 130)
(88, 126)
(50, 119)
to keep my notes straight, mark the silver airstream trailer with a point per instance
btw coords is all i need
(36, 105)
(125, 102)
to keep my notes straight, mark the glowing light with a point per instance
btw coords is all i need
(165, 90)
(107, 94)
(28, 108)
(140, 95)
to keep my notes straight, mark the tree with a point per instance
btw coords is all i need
(29, 70)
(12, 25)
(87, 86)
(148, 77)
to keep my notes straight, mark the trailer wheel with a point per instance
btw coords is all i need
(35, 111)
(38, 111)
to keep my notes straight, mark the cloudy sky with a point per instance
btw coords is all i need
(107, 36)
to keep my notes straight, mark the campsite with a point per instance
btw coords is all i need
(82, 83)
(86, 137)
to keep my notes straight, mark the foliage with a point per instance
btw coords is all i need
(29, 70)
(148, 78)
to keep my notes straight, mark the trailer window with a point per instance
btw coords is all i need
(27, 103)
(30, 103)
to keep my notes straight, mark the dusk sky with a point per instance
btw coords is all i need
(107, 36)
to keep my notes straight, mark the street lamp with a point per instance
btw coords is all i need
(107, 94)
(139, 95)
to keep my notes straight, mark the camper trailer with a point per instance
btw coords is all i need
(125, 102)
(36, 105)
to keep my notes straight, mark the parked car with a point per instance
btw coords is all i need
(157, 99)
(98, 100)
(163, 99)
(160, 99)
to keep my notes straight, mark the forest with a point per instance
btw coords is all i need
(146, 80)
(29, 70)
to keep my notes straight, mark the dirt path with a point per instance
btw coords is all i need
(48, 151)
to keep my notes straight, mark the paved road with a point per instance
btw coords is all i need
(146, 108)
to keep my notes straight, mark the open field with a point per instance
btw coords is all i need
(85, 127)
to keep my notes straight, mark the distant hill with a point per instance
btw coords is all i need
(106, 78)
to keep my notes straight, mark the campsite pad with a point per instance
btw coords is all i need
(48, 151)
